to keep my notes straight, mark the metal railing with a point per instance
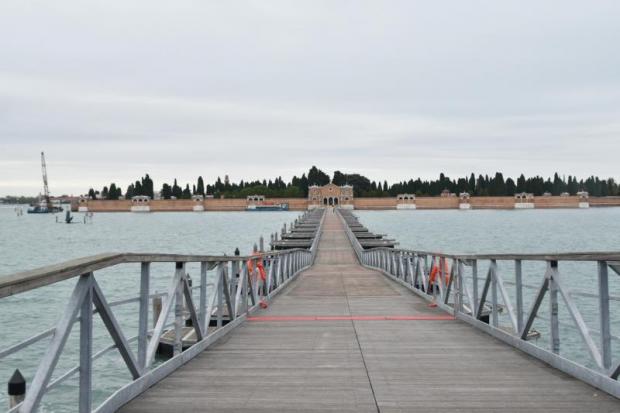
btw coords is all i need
(222, 304)
(498, 306)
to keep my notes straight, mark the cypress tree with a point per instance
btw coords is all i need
(187, 194)
(166, 191)
(200, 186)
(177, 192)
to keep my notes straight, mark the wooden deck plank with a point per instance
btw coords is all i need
(363, 366)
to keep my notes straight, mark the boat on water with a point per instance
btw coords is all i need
(267, 207)
(45, 207)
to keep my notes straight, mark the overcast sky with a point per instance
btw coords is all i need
(253, 89)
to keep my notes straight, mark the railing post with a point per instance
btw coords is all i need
(143, 317)
(278, 277)
(474, 275)
(245, 288)
(494, 312)
(269, 270)
(86, 350)
(519, 291)
(290, 266)
(220, 294)
(286, 267)
(603, 293)
(415, 271)
(227, 292)
(458, 285)
(388, 266)
(275, 262)
(203, 297)
(234, 282)
(179, 321)
(394, 262)
(553, 304)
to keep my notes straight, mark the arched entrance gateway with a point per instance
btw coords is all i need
(330, 195)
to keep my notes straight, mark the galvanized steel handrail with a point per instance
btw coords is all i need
(50, 274)
(238, 289)
(568, 256)
(450, 289)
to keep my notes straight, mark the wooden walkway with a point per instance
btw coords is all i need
(287, 358)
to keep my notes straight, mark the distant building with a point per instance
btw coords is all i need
(405, 201)
(524, 200)
(464, 200)
(140, 203)
(330, 195)
(405, 197)
(524, 197)
(584, 201)
(255, 199)
(83, 203)
(198, 203)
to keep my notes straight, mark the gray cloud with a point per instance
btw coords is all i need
(392, 89)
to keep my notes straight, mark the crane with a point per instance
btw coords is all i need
(45, 205)
(46, 190)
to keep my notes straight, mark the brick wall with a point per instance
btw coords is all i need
(374, 203)
(301, 204)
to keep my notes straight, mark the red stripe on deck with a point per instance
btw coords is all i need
(354, 318)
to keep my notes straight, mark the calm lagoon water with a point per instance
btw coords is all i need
(28, 242)
(32, 241)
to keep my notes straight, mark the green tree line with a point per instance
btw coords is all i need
(481, 185)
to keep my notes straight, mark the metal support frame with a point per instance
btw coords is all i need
(603, 287)
(86, 351)
(88, 299)
(604, 376)
(143, 320)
